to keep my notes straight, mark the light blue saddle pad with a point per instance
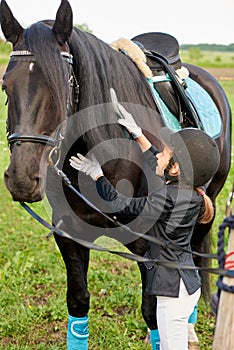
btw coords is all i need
(205, 107)
(169, 119)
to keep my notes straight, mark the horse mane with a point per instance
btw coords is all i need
(98, 67)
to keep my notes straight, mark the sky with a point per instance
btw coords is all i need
(190, 21)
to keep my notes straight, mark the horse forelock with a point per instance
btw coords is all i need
(41, 42)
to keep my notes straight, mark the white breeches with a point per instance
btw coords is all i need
(172, 317)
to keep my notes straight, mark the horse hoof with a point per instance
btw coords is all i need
(193, 346)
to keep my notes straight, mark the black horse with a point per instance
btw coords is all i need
(64, 106)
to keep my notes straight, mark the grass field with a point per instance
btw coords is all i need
(208, 59)
(33, 281)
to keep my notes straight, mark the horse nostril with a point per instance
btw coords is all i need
(39, 181)
(6, 176)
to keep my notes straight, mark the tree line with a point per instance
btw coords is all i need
(6, 47)
(209, 47)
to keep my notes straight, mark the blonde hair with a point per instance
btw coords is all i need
(207, 213)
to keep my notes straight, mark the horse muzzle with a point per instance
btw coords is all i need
(22, 188)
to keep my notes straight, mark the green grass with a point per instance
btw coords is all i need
(33, 281)
(208, 59)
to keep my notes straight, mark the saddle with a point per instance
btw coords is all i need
(164, 44)
(181, 101)
(163, 58)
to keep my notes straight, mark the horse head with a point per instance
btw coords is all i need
(36, 103)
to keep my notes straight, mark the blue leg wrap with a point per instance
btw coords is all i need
(155, 339)
(193, 316)
(77, 333)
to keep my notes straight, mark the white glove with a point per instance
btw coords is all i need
(87, 166)
(126, 118)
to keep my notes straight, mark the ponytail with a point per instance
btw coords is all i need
(207, 212)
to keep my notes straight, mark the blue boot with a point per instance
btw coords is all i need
(192, 336)
(77, 333)
(155, 339)
(193, 316)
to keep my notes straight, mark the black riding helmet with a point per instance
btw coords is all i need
(195, 151)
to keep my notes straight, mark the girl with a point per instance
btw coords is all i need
(189, 159)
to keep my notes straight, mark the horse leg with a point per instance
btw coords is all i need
(76, 259)
(148, 308)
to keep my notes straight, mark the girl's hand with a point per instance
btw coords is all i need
(87, 166)
(126, 119)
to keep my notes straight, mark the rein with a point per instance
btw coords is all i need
(134, 257)
(129, 256)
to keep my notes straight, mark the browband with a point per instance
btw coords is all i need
(25, 55)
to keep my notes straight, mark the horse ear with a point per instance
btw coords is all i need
(11, 29)
(63, 24)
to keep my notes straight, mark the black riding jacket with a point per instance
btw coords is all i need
(172, 212)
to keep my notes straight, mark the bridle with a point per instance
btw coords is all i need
(17, 138)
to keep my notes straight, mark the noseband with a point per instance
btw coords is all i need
(16, 138)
